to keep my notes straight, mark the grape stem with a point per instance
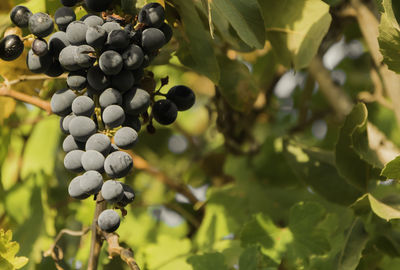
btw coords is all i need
(96, 241)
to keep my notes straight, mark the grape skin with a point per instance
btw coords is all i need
(61, 102)
(85, 56)
(136, 101)
(118, 39)
(109, 26)
(99, 142)
(152, 39)
(133, 121)
(55, 69)
(76, 33)
(152, 15)
(65, 123)
(93, 20)
(118, 164)
(110, 96)
(112, 191)
(57, 42)
(108, 220)
(133, 57)
(96, 36)
(11, 47)
(129, 195)
(38, 64)
(91, 182)
(81, 128)
(97, 79)
(75, 190)
(165, 112)
(76, 80)
(39, 47)
(125, 137)
(110, 62)
(67, 58)
(41, 24)
(72, 161)
(182, 96)
(123, 81)
(113, 116)
(20, 15)
(83, 106)
(63, 17)
(70, 144)
(93, 160)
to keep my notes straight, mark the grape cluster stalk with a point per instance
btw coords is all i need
(104, 105)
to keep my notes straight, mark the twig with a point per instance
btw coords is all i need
(23, 78)
(114, 249)
(369, 26)
(96, 241)
(42, 104)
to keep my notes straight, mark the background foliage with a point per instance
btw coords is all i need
(286, 172)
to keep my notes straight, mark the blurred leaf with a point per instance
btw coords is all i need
(253, 259)
(354, 158)
(7, 106)
(392, 169)
(387, 209)
(209, 261)
(295, 29)
(389, 37)
(236, 85)
(245, 17)
(8, 252)
(356, 240)
(195, 49)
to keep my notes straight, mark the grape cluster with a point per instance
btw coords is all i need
(102, 106)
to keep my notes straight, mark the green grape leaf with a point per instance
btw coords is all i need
(196, 50)
(253, 259)
(295, 29)
(209, 261)
(355, 242)
(392, 169)
(8, 252)
(387, 208)
(236, 85)
(389, 37)
(245, 18)
(354, 159)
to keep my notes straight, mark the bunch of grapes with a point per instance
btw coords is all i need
(102, 107)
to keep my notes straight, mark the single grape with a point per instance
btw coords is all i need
(11, 47)
(110, 96)
(55, 69)
(70, 144)
(108, 220)
(152, 15)
(63, 17)
(110, 62)
(129, 195)
(72, 161)
(165, 111)
(167, 31)
(68, 60)
(118, 164)
(57, 42)
(65, 122)
(132, 121)
(83, 106)
(41, 24)
(96, 36)
(76, 80)
(97, 79)
(133, 57)
(39, 47)
(93, 20)
(152, 39)
(20, 15)
(93, 161)
(75, 190)
(76, 32)
(109, 26)
(38, 64)
(125, 137)
(85, 56)
(118, 39)
(182, 96)
(123, 81)
(99, 142)
(91, 182)
(81, 128)
(113, 116)
(112, 191)
(61, 102)
(98, 5)
(136, 101)
(69, 3)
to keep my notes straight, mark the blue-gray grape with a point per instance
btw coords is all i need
(67, 58)
(91, 182)
(81, 128)
(125, 137)
(65, 123)
(108, 220)
(93, 160)
(97, 79)
(20, 15)
(76, 80)
(57, 42)
(136, 101)
(118, 39)
(93, 20)
(129, 195)
(133, 57)
(38, 64)
(152, 15)
(40, 47)
(41, 24)
(72, 161)
(109, 26)
(111, 62)
(96, 36)
(63, 17)
(70, 144)
(76, 32)
(113, 116)
(123, 81)
(61, 102)
(75, 190)
(167, 31)
(182, 96)
(152, 39)
(118, 164)
(99, 142)
(112, 191)
(83, 106)
(110, 96)
(85, 56)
